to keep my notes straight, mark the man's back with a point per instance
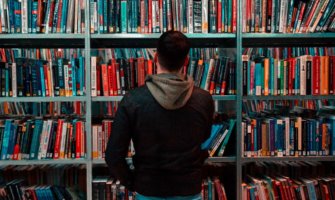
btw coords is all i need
(167, 142)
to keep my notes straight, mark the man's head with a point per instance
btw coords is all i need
(172, 51)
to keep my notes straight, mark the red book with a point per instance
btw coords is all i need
(105, 80)
(234, 17)
(268, 16)
(114, 79)
(51, 16)
(316, 75)
(78, 139)
(110, 80)
(248, 15)
(150, 16)
(39, 16)
(58, 139)
(59, 15)
(150, 67)
(219, 15)
(290, 77)
(16, 152)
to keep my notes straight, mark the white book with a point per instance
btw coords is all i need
(6, 21)
(70, 17)
(281, 14)
(24, 16)
(204, 16)
(303, 65)
(83, 139)
(14, 80)
(63, 139)
(190, 16)
(2, 15)
(287, 135)
(153, 14)
(46, 139)
(99, 142)
(76, 16)
(94, 76)
(95, 141)
(42, 138)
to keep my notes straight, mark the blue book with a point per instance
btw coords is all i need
(5, 140)
(204, 75)
(17, 7)
(258, 79)
(61, 82)
(42, 78)
(310, 189)
(332, 134)
(82, 75)
(36, 139)
(124, 16)
(272, 77)
(7, 78)
(11, 13)
(100, 6)
(105, 15)
(74, 76)
(64, 16)
(34, 16)
(215, 130)
(297, 77)
(11, 143)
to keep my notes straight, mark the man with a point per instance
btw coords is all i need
(168, 118)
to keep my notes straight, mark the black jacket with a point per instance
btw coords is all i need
(168, 158)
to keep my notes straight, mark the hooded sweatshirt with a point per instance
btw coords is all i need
(171, 91)
(167, 119)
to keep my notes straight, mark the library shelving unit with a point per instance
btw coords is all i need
(236, 40)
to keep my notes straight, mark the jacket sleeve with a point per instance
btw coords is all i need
(118, 144)
(209, 123)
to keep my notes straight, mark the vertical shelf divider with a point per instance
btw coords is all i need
(88, 126)
(238, 98)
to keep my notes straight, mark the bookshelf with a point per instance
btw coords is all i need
(236, 40)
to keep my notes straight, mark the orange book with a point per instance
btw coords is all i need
(140, 71)
(324, 75)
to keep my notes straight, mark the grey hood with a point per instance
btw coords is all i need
(171, 91)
